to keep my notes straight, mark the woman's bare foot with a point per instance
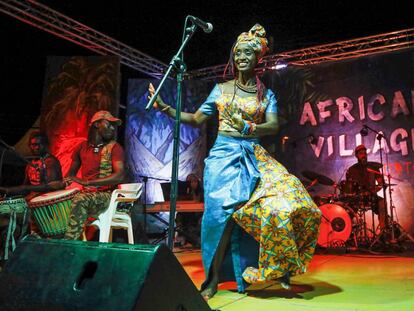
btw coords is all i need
(285, 281)
(210, 290)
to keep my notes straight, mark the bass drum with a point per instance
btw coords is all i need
(336, 225)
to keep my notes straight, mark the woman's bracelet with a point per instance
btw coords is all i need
(252, 128)
(245, 130)
(249, 128)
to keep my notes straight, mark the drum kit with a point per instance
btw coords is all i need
(347, 213)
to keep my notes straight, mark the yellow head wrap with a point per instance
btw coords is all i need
(256, 38)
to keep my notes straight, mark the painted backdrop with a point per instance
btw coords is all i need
(149, 136)
(75, 88)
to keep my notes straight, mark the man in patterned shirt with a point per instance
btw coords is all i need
(100, 160)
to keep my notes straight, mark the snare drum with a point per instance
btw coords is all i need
(51, 211)
(348, 187)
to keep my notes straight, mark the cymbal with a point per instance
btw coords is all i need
(322, 179)
(374, 165)
(378, 173)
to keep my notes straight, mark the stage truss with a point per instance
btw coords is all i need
(43, 17)
(388, 42)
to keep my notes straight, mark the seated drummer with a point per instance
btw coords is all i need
(100, 160)
(369, 181)
(43, 174)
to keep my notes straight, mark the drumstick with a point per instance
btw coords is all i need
(313, 183)
(373, 171)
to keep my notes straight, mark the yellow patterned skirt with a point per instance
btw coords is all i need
(282, 217)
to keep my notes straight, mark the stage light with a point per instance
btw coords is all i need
(279, 64)
(284, 140)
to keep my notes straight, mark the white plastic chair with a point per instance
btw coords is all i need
(113, 219)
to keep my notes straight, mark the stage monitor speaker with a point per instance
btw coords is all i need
(74, 275)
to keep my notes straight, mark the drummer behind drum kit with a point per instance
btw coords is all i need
(344, 214)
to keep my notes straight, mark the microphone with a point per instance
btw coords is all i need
(364, 131)
(7, 146)
(207, 27)
(312, 139)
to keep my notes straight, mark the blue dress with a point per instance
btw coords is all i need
(269, 205)
(230, 176)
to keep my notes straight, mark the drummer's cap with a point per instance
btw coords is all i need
(104, 115)
(359, 148)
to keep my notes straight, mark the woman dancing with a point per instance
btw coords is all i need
(244, 186)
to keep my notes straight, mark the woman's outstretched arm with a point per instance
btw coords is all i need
(194, 119)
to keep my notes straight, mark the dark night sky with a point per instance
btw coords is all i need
(155, 28)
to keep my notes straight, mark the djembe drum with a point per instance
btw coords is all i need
(10, 205)
(51, 211)
(13, 208)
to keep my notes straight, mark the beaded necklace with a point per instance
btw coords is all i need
(247, 88)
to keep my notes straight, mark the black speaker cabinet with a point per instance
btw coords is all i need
(75, 275)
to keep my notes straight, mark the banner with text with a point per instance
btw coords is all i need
(324, 107)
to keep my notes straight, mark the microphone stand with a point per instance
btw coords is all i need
(144, 205)
(177, 64)
(145, 180)
(13, 151)
(394, 224)
(379, 137)
(7, 147)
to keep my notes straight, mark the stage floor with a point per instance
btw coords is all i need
(335, 281)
